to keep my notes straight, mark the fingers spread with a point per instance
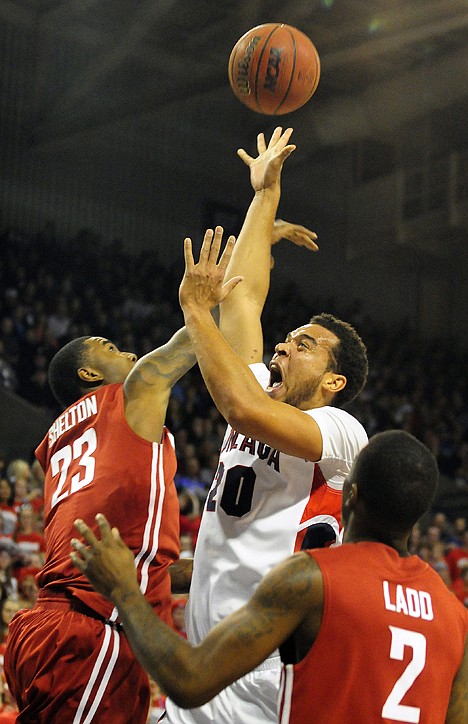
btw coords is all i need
(104, 527)
(227, 253)
(188, 254)
(275, 137)
(206, 246)
(248, 160)
(78, 562)
(261, 145)
(216, 245)
(86, 532)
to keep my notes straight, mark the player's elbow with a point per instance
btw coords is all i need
(189, 700)
(190, 693)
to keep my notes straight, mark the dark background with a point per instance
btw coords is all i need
(118, 117)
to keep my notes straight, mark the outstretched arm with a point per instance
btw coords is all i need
(230, 382)
(192, 675)
(148, 386)
(240, 313)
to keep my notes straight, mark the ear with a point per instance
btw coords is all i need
(352, 497)
(90, 374)
(334, 382)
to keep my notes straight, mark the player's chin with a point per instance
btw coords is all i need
(278, 392)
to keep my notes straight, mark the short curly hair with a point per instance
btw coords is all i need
(63, 378)
(396, 477)
(350, 355)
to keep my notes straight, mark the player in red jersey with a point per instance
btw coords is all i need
(367, 633)
(67, 659)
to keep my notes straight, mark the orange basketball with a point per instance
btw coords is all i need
(274, 69)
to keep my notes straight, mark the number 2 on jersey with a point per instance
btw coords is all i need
(81, 450)
(393, 708)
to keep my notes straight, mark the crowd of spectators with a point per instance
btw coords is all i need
(52, 291)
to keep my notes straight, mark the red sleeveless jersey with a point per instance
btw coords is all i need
(391, 641)
(94, 463)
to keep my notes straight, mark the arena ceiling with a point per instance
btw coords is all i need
(103, 66)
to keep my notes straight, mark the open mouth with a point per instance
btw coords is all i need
(276, 377)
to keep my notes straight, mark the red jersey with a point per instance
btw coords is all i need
(391, 640)
(95, 463)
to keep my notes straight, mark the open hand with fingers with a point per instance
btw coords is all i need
(203, 285)
(108, 563)
(265, 169)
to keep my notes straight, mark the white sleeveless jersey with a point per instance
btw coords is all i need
(260, 506)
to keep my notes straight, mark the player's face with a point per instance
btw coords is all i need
(113, 364)
(299, 364)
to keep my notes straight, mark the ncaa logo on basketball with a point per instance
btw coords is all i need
(273, 70)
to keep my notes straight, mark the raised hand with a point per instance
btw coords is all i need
(107, 563)
(203, 283)
(296, 233)
(265, 169)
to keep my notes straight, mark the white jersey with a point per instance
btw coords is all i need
(260, 507)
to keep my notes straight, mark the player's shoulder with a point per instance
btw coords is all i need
(340, 424)
(336, 413)
(110, 391)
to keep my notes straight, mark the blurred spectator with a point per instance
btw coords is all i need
(208, 471)
(460, 586)
(447, 536)
(157, 705)
(457, 558)
(190, 479)
(8, 583)
(8, 608)
(36, 495)
(8, 376)
(415, 539)
(438, 562)
(7, 508)
(59, 320)
(432, 535)
(30, 542)
(459, 528)
(19, 474)
(186, 546)
(190, 515)
(27, 587)
(424, 552)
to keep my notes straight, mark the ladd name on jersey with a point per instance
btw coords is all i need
(408, 601)
(235, 441)
(72, 416)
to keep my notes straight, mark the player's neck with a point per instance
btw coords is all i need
(358, 534)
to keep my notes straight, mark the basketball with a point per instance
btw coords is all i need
(274, 69)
